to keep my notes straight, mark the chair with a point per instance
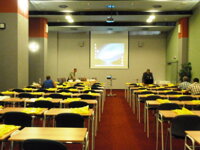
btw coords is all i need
(26, 95)
(77, 104)
(185, 98)
(168, 106)
(182, 123)
(64, 90)
(86, 96)
(42, 90)
(69, 120)
(43, 104)
(43, 144)
(171, 93)
(18, 90)
(17, 118)
(55, 96)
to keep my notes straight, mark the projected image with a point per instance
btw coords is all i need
(111, 54)
(109, 50)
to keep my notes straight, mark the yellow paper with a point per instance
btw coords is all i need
(72, 99)
(32, 110)
(44, 98)
(183, 111)
(196, 101)
(81, 110)
(4, 129)
(65, 93)
(93, 94)
(8, 92)
(163, 101)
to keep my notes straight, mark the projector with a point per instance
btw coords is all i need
(110, 19)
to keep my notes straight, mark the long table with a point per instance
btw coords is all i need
(75, 135)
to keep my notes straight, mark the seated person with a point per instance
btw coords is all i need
(194, 88)
(72, 75)
(183, 85)
(48, 83)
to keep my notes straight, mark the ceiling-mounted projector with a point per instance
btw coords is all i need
(110, 19)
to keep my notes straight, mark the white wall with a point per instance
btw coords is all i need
(65, 53)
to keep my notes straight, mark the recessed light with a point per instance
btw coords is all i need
(157, 6)
(63, 6)
(110, 6)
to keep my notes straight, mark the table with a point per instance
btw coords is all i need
(55, 111)
(194, 137)
(75, 135)
(163, 116)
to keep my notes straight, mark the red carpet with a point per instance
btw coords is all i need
(119, 128)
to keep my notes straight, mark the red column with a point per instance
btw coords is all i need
(183, 28)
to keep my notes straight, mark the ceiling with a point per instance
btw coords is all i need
(128, 15)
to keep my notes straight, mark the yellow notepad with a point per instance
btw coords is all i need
(183, 111)
(4, 129)
(163, 101)
(32, 110)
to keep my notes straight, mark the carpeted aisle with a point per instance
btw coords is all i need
(119, 129)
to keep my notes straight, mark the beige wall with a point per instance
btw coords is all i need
(65, 53)
(13, 51)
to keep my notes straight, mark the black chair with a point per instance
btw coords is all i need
(77, 104)
(86, 96)
(69, 120)
(43, 144)
(17, 118)
(171, 93)
(18, 90)
(64, 90)
(182, 123)
(26, 95)
(42, 90)
(185, 98)
(55, 96)
(92, 91)
(168, 106)
(43, 104)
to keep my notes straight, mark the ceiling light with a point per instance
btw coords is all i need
(110, 6)
(149, 20)
(69, 19)
(152, 17)
(110, 19)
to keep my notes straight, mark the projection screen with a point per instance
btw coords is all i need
(109, 50)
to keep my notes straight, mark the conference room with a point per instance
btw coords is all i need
(111, 43)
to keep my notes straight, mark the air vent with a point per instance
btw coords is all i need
(157, 6)
(63, 6)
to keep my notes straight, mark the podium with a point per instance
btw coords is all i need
(110, 80)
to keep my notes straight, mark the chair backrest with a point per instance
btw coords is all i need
(77, 104)
(171, 93)
(42, 90)
(152, 97)
(43, 104)
(168, 106)
(17, 118)
(185, 98)
(145, 92)
(25, 95)
(69, 120)
(64, 90)
(18, 90)
(55, 96)
(86, 96)
(43, 144)
(182, 123)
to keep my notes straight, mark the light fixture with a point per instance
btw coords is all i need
(2, 26)
(110, 19)
(69, 19)
(150, 19)
(34, 47)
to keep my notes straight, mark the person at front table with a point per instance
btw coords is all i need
(72, 75)
(147, 77)
(194, 88)
(183, 85)
(48, 83)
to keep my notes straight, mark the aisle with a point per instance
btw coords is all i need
(119, 129)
